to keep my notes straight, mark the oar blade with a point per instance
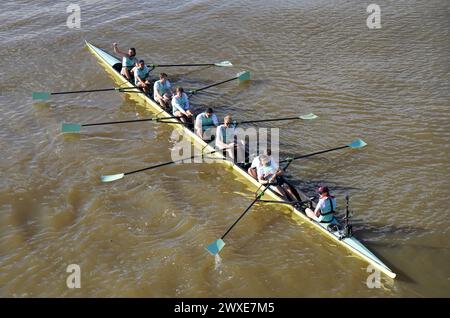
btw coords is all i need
(215, 247)
(357, 143)
(224, 64)
(112, 177)
(70, 128)
(309, 116)
(243, 76)
(41, 95)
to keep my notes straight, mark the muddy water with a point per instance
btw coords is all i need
(144, 236)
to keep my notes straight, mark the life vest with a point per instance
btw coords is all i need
(207, 122)
(329, 208)
(227, 134)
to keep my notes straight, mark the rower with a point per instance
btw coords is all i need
(267, 169)
(129, 60)
(162, 90)
(142, 76)
(324, 208)
(256, 163)
(226, 137)
(205, 121)
(181, 107)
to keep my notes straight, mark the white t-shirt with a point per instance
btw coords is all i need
(161, 88)
(321, 204)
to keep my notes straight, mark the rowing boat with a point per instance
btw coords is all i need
(112, 65)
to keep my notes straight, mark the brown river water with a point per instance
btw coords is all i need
(144, 236)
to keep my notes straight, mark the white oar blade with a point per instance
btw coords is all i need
(357, 143)
(70, 128)
(243, 76)
(308, 116)
(215, 247)
(224, 64)
(112, 177)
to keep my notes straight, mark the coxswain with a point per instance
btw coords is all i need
(325, 207)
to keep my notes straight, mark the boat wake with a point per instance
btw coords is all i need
(217, 262)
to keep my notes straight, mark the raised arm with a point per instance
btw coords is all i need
(117, 51)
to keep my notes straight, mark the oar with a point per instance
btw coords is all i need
(309, 116)
(355, 144)
(46, 95)
(242, 76)
(220, 64)
(74, 127)
(118, 176)
(215, 247)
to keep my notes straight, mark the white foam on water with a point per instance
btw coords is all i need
(217, 261)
